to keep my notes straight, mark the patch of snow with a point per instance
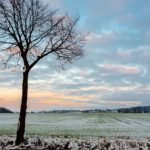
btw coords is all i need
(49, 143)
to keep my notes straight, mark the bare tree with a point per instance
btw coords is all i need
(30, 31)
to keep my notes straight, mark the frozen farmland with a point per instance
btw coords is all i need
(78, 131)
(79, 124)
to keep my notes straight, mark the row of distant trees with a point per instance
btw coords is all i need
(5, 110)
(140, 109)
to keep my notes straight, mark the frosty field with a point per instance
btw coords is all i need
(79, 124)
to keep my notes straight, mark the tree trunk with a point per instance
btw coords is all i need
(22, 117)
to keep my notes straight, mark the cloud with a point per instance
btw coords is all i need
(122, 69)
(103, 38)
(113, 73)
(59, 103)
(53, 4)
(119, 103)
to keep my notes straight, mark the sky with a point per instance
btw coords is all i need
(113, 73)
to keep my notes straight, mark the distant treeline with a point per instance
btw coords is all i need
(68, 111)
(5, 110)
(140, 109)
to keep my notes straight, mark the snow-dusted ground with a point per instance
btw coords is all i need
(78, 131)
(41, 143)
(79, 125)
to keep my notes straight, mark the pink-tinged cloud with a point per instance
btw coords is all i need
(10, 98)
(41, 100)
(122, 69)
(13, 50)
(103, 39)
(59, 96)
(121, 103)
(46, 100)
(110, 89)
(60, 103)
(13, 104)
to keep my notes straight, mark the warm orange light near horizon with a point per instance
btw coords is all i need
(44, 100)
(11, 98)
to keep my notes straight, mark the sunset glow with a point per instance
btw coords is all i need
(113, 73)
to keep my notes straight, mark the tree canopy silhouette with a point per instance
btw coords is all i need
(30, 31)
(5, 110)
